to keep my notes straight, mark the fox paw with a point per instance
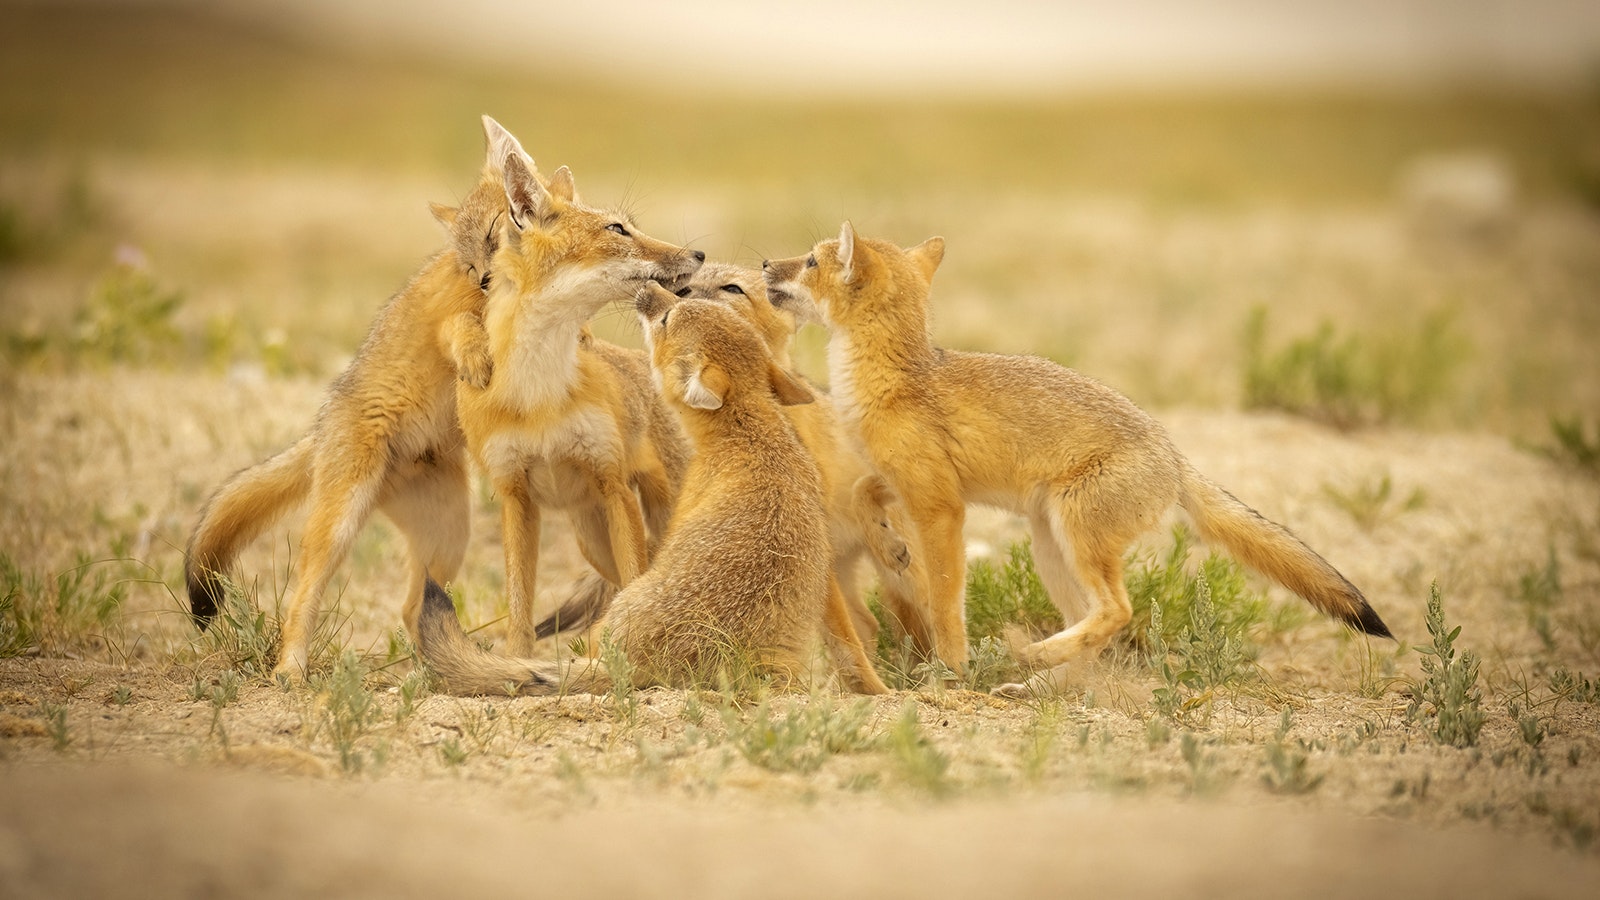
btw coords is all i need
(476, 369)
(1013, 691)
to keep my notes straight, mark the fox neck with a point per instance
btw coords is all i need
(537, 333)
(873, 358)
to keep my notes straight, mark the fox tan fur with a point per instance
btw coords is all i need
(862, 511)
(568, 421)
(385, 438)
(1089, 469)
(743, 570)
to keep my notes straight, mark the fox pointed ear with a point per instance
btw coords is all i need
(706, 388)
(526, 199)
(927, 255)
(789, 391)
(847, 251)
(444, 215)
(501, 143)
(561, 184)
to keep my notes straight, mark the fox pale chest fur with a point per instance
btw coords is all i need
(740, 577)
(385, 438)
(569, 422)
(1089, 470)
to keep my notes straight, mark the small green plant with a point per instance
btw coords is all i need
(128, 318)
(1010, 594)
(1288, 765)
(349, 710)
(55, 615)
(1039, 740)
(918, 762)
(1538, 591)
(622, 695)
(1352, 381)
(1447, 699)
(804, 737)
(1165, 580)
(1369, 502)
(55, 725)
(1204, 779)
(1204, 656)
(122, 695)
(240, 633)
(452, 753)
(1569, 685)
(411, 688)
(1573, 445)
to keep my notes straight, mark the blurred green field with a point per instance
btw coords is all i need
(279, 190)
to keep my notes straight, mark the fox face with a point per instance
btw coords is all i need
(474, 226)
(706, 355)
(839, 280)
(744, 291)
(580, 256)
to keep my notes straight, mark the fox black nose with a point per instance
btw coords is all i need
(766, 264)
(699, 256)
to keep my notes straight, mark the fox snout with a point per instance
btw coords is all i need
(776, 272)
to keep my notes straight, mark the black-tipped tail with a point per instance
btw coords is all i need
(1366, 621)
(205, 595)
(463, 667)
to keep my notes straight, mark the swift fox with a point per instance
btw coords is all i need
(569, 421)
(863, 514)
(385, 438)
(743, 569)
(1090, 470)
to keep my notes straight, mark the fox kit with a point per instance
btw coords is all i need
(744, 566)
(862, 513)
(569, 421)
(385, 438)
(1090, 470)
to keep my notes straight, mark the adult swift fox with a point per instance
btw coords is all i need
(863, 514)
(569, 421)
(1090, 470)
(741, 574)
(385, 438)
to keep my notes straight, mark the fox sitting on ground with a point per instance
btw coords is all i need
(862, 512)
(385, 438)
(570, 421)
(1089, 470)
(741, 576)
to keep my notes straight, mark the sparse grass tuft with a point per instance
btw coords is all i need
(1573, 445)
(804, 737)
(917, 761)
(1288, 769)
(1538, 591)
(1369, 502)
(622, 695)
(1010, 594)
(128, 318)
(1165, 581)
(348, 711)
(1350, 381)
(60, 614)
(1447, 700)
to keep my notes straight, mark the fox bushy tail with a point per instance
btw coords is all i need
(464, 668)
(245, 506)
(587, 605)
(1272, 550)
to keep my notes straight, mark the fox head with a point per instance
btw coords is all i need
(571, 253)
(844, 280)
(743, 290)
(707, 357)
(474, 226)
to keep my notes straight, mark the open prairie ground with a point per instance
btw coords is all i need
(1373, 318)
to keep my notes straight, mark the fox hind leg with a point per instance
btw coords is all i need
(341, 503)
(432, 510)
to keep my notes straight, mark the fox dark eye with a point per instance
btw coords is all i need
(811, 261)
(617, 227)
(664, 318)
(733, 289)
(683, 292)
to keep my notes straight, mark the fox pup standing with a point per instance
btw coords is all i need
(385, 438)
(569, 421)
(1090, 470)
(741, 574)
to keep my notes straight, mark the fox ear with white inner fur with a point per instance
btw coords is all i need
(706, 388)
(444, 215)
(526, 198)
(562, 185)
(927, 255)
(847, 251)
(501, 143)
(788, 391)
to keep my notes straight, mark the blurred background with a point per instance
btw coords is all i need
(1369, 212)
